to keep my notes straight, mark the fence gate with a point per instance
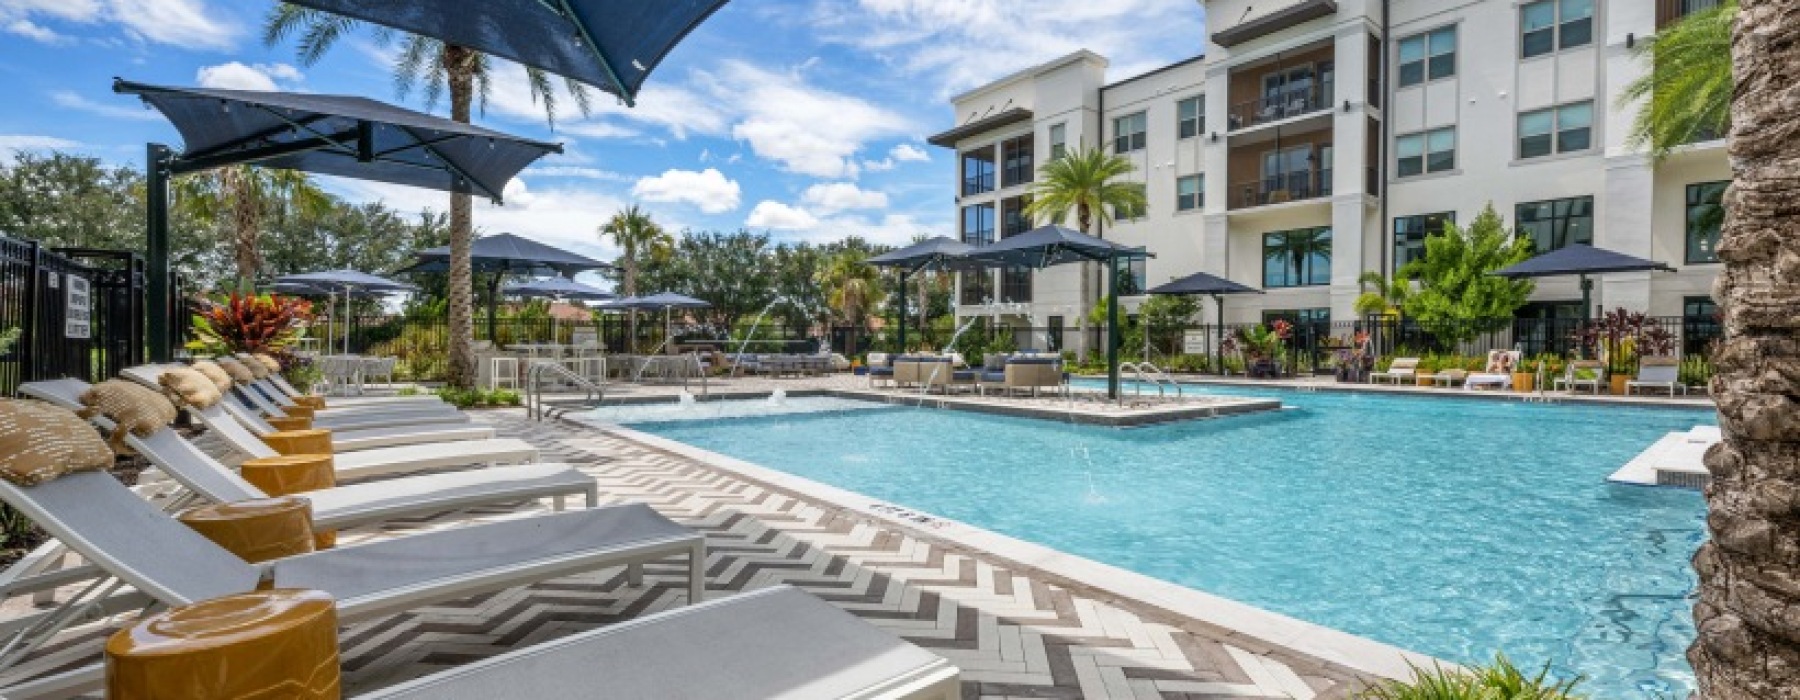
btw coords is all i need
(68, 313)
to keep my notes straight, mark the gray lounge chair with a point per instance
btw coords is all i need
(254, 396)
(1401, 371)
(1658, 373)
(1573, 380)
(369, 438)
(772, 643)
(169, 564)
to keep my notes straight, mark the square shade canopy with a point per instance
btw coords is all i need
(610, 44)
(341, 135)
(510, 254)
(1050, 245)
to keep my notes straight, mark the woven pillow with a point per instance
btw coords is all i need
(239, 373)
(131, 406)
(220, 379)
(40, 442)
(268, 361)
(256, 367)
(190, 388)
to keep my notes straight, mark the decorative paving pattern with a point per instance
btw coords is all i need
(1014, 632)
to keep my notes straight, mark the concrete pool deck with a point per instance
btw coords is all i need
(1018, 619)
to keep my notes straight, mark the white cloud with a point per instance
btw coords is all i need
(584, 173)
(890, 229)
(184, 23)
(124, 109)
(802, 128)
(237, 76)
(566, 217)
(34, 31)
(907, 152)
(954, 42)
(11, 144)
(770, 214)
(598, 130)
(831, 198)
(709, 189)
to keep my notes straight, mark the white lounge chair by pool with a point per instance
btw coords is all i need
(1400, 371)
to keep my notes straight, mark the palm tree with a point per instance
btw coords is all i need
(1084, 181)
(1746, 646)
(639, 237)
(465, 74)
(1687, 91)
(852, 286)
(1387, 295)
(247, 196)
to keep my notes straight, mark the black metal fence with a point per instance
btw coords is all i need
(68, 313)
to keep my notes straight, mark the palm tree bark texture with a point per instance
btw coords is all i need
(1748, 614)
(459, 69)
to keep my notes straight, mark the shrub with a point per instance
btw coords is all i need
(251, 323)
(479, 398)
(1500, 681)
(1696, 370)
(422, 352)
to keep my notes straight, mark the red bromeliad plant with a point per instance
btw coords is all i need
(253, 323)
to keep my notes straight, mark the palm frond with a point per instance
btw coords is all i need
(542, 92)
(418, 58)
(1687, 92)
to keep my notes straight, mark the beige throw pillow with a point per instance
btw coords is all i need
(220, 379)
(40, 442)
(190, 388)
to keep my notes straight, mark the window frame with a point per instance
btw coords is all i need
(1426, 62)
(1555, 221)
(964, 230)
(1059, 140)
(1199, 193)
(1706, 256)
(1009, 148)
(1133, 141)
(1557, 132)
(1557, 29)
(979, 183)
(1006, 213)
(1405, 241)
(1198, 120)
(1424, 157)
(1310, 274)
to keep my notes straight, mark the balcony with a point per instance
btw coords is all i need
(1282, 188)
(1015, 286)
(1281, 106)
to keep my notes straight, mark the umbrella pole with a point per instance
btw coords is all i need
(1112, 326)
(1587, 307)
(494, 309)
(348, 292)
(1219, 326)
(903, 295)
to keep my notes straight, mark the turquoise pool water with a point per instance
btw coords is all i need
(1454, 528)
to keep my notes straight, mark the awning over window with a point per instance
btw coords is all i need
(1274, 21)
(1009, 117)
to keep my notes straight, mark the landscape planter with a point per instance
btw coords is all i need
(1618, 384)
(1524, 383)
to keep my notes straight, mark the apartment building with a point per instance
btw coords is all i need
(1282, 159)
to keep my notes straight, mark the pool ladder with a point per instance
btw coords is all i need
(542, 370)
(1145, 372)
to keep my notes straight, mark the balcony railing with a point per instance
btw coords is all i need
(1278, 189)
(1284, 105)
(1015, 287)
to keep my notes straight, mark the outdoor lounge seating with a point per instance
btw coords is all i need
(773, 642)
(369, 438)
(1588, 373)
(1402, 371)
(923, 372)
(1498, 372)
(1449, 377)
(1657, 373)
(1032, 374)
(169, 564)
(881, 368)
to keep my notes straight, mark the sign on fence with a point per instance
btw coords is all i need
(1196, 342)
(80, 309)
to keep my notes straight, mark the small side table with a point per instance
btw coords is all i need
(289, 423)
(300, 442)
(267, 644)
(289, 475)
(256, 530)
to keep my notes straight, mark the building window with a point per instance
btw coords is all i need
(1700, 324)
(1705, 216)
(1564, 129)
(1129, 213)
(1015, 285)
(1428, 56)
(978, 224)
(1549, 25)
(1190, 192)
(1053, 336)
(1297, 316)
(977, 288)
(1016, 156)
(1059, 140)
(1297, 258)
(1013, 220)
(1430, 152)
(1133, 277)
(978, 171)
(1190, 117)
(1128, 133)
(1554, 223)
(1410, 233)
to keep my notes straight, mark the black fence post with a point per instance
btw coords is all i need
(27, 347)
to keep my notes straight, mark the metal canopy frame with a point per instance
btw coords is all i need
(1220, 288)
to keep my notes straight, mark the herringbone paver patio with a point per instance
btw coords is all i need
(1015, 632)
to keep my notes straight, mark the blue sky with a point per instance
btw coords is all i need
(805, 118)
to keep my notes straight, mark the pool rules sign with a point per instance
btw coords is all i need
(80, 309)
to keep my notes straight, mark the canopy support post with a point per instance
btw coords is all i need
(903, 295)
(1219, 325)
(1587, 292)
(1112, 326)
(156, 252)
(494, 308)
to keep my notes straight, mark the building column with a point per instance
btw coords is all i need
(1624, 225)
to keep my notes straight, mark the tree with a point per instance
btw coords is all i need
(240, 199)
(1457, 294)
(797, 267)
(639, 237)
(1388, 295)
(1084, 181)
(1746, 644)
(854, 287)
(730, 271)
(1686, 94)
(71, 201)
(465, 74)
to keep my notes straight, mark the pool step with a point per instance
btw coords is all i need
(1674, 460)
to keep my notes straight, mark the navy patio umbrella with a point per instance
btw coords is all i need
(349, 283)
(556, 288)
(936, 253)
(610, 44)
(666, 302)
(1581, 261)
(340, 135)
(507, 254)
(1054, 245)
(1201, 283)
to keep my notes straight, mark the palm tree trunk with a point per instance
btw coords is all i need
(244, 224)
(1748, 616)
(460, 67)
(630, 285)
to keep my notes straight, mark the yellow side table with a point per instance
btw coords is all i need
(267, 644)
(289, 475)
(300, 442)
(256, 530)
(289, 423)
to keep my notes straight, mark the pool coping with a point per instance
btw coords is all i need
(1214, 407)
(1697, 403)
(1359, 654)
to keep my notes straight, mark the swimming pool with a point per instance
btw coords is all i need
(1453, 528)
